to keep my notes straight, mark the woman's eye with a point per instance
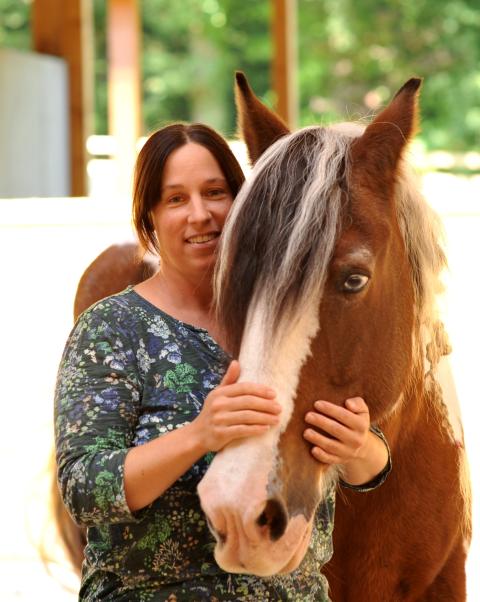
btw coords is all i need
(216, 193)
(174, 200)
(355, 283)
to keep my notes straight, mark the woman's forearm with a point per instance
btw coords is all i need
(150, 469)
(369, 464)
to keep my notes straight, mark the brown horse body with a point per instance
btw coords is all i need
(112, 271)
(405, 541)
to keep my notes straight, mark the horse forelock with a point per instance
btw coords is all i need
(280, 235)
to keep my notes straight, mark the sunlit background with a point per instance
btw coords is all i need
(348, 59)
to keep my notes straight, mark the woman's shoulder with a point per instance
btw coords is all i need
(119, 313)
(129, 314)
(119, 302)
(109, 309)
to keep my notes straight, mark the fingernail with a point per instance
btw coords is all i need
(318, 405)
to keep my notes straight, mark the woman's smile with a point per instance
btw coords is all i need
(203, 239)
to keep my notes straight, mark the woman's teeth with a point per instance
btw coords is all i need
(201, 238)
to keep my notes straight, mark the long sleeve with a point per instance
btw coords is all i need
(96, 409)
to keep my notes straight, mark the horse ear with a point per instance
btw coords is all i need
(384, 140)
(258, 125)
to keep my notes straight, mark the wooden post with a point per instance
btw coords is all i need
(65, 29)
(284, 70)
(124, 86)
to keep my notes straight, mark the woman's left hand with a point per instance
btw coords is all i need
(340, 434)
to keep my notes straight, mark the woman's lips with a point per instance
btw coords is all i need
(200, 239)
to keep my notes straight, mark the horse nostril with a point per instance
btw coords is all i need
(219, 536)
(274, 517)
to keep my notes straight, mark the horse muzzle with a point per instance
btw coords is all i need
(250, 521)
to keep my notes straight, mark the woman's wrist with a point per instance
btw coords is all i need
(195, 441)
(371, 460)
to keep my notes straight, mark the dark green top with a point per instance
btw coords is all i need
(129, 374)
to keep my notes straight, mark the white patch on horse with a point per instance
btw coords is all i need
(278, 367)
(246, 466)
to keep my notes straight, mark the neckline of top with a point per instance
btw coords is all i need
(130, 289)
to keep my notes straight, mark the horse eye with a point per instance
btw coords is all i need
(355, 283)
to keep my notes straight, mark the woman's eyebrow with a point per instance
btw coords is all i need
(216, 180)
(172, 186)
(209, 181)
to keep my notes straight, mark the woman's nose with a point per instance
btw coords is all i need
(199, 211)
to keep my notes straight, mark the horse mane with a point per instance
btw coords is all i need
(289, 212)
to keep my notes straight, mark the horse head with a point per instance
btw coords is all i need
(321, 292)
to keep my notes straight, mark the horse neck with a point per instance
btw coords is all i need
(423, 405)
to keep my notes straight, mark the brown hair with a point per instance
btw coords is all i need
(151, 163)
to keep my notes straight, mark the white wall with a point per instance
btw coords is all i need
(34, 125)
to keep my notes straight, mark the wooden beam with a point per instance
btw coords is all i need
(284, 66)
(65, 29)
(124, 86)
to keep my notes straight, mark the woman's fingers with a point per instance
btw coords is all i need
(345, 416)
(328, 425)
(231, 388)
(246, 417)
(357, 405)
(246, 402)
(240, 431)
(330, 446)
(247, 388)
(232, 374)
(322, 456)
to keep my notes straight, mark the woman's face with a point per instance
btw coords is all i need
(194, 202)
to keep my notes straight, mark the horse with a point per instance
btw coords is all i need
(326, 280)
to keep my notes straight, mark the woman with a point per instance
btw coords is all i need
(146, 393)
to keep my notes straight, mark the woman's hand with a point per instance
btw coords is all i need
(344, 431)
(235, 410)
(346, 439)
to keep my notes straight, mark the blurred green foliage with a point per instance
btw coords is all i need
(353, 56)
(15, 24)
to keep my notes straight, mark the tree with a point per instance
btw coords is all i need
(353, 56)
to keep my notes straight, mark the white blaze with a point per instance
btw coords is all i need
(278, 368)
(234, 491)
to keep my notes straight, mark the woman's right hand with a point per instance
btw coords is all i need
(235, 410)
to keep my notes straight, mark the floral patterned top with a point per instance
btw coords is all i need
(129, 374)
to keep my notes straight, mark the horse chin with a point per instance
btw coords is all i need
(265, 559)
(299, 554)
